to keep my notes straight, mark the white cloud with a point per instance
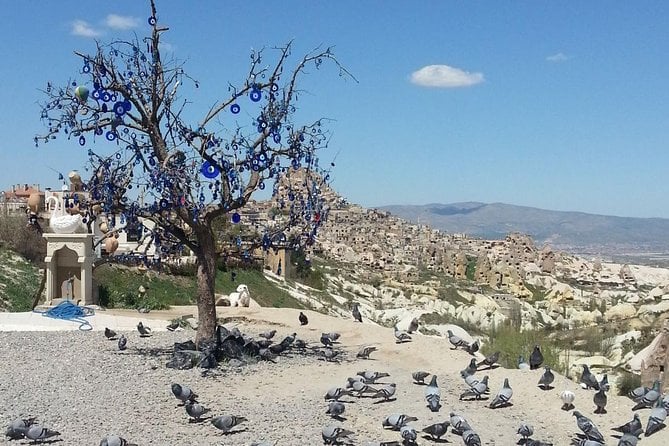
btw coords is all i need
(444, 76)
(115, 21)
(84, 29)
(558, 57)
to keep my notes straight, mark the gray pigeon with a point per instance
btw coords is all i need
(329, 354)
(17, 429)
(413, 326)
(226, 422)
(433, 395)
(600, 400)
(546, 379)
(325, 340)
(143, 330)
(370, 377)
(536, 358)
(638, 393)
(628, 440)
(335, 409)
(650, 398)
(477, 390)
(522, 364)
(122, 343)
(458, 423)
(115, 440)
(401, 336)
(655, 420)
(489, 360)
(588, 427)
(335, 393)
(525, 430)
(419, 376)
(384, 443)
(110, 334)
(195, 410)
(183, 393)
(356, 313)
(365, 352)
(470, 369)
(409, 435)
(503, 396)
(267, 334)
(471, 349)
(304, 320)
(604, 383)
(332, 434)
(456, 341)
(471, 438)
(386, 392)
(437, 430)
(588, 378)
(633, 426)
(397, 420)
(531, 442)
(40, 433)
(585, 442)
(360, 387)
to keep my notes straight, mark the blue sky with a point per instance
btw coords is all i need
(557, 105)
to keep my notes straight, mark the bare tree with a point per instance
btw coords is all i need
(181, 176)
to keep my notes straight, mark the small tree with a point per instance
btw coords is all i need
(185, 176)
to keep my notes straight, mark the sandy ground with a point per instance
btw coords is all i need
(284, 401)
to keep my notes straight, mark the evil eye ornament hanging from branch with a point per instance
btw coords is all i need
(255, 95)
(209, 171)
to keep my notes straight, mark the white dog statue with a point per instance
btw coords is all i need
(240, 298)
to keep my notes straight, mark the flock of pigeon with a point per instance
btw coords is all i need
(373, 385)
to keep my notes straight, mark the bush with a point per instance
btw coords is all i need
(627, 382)
(16, 235)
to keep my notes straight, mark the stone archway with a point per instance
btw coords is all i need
(69, 268)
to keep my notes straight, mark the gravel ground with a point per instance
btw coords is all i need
(81, 385)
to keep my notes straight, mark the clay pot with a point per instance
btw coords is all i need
(111, 244)
(34, 202)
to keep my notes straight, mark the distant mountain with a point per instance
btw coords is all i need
(573, 231)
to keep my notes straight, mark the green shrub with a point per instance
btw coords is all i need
(627, 382)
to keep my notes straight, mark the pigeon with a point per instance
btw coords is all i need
(227, 422)
(356, 313)
(288, 340)
(588, 427)
(371, 377)
(17, 429)
(588, 379)
(567, 397)
(267, 334)
(471, 349)
(264, 343)
(546, 379)
(650, 398)
(471, 380)
(325, 340)
(433, 395)
(330, 354)
(361, 388)
(303, 319)
(628, 440)
(536, 358)
(633, 426)
(413, 326)
(143, 310)
(335, 409)
(143, 330)
(503, 396)
(655, 420)
(531, 442)
(456, 341)
(600, 400)
(335, 393)
(300, 344)
(110, 334)
(409, 435)
(397, 420)
(277, 349)
(604, 383)
(477, 390)
(525, 430)
(122, 343)
(183, 393)
(195, 410)
(419, 376)
(490, 360)
(522, 364)
(470, 369)
(365, 352)
(115, 440)
(263, 443)
(331, 434)
(471, 438)
(638, 393)
(384, 443)
(173, 325)
(40, 433)
(585, 442)
(334, 336)
(437, 430)
(458, 423)
(386, 392)
(401, 336)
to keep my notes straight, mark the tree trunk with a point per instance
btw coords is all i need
(206, 277)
